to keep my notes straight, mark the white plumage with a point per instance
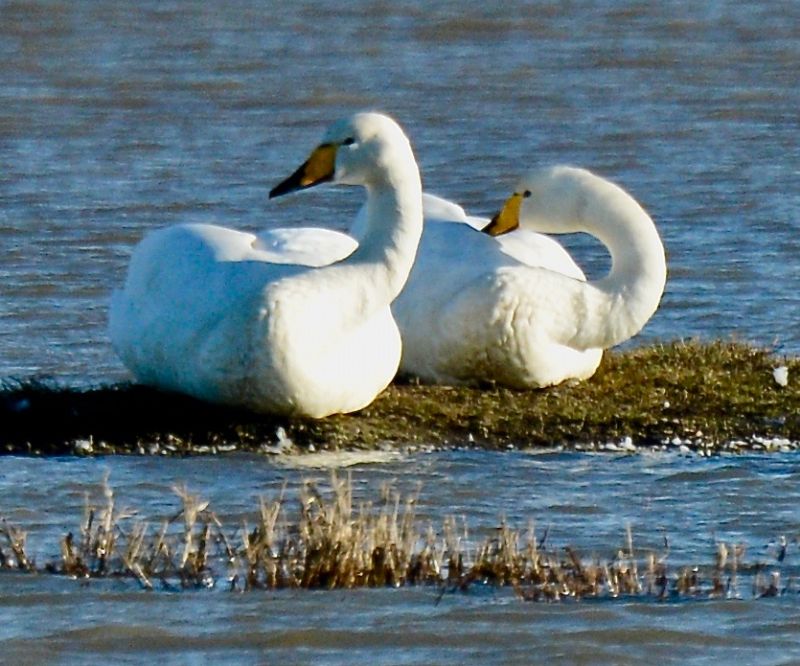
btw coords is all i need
(478, 308)
(265, 321)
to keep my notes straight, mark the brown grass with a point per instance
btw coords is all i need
(332, 542)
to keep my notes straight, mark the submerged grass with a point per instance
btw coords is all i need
(331, 542)
(703, 395)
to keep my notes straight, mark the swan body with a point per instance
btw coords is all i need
(453, 255)
(446, 225)
(472, 311)
(267, 321)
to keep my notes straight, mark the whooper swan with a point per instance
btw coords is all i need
(471, 313)
(240, 319)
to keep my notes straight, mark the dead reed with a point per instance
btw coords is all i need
(332, 541)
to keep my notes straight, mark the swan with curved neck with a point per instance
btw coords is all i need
(215, 313)
(494, 318)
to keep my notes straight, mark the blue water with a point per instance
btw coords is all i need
(586, 501)
(118, 118)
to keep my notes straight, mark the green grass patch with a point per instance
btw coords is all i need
(702, 395)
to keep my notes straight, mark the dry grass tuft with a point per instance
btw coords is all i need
(332, 542)
(14, 556)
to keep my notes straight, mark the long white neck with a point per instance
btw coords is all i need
(393, 227)
(373, 276)
(617, 306)
(635, 282)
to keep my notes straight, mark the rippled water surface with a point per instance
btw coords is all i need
(117, 118)
(583, 500)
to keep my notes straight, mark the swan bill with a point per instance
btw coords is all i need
(318, 168)
(507, 219)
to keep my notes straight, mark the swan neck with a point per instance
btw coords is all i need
(356, 289)
(392, 230)
(631, 291)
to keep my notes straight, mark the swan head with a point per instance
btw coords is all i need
(551, 200)
(354, 151)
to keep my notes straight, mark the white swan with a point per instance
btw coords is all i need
(471, 312)
(230, 317)
(452, 254)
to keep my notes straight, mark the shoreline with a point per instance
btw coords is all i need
(710, 396)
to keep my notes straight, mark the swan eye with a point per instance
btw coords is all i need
(349, 141)
(526, 194)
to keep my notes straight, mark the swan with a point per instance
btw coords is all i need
(451, 253)
(260, 321)
(471, 312)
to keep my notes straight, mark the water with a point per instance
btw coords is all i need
(584, 500)
(118, 118)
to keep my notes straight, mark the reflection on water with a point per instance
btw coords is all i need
(117, 118)
(584, 500)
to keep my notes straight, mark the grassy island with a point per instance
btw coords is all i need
(708, 396)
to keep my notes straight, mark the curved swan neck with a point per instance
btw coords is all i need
(633, 287)
(375, 273)
(616, 307)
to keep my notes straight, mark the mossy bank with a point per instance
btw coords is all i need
(711, 396)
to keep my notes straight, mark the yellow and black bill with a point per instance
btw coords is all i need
(318, 168)
(508, 217)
